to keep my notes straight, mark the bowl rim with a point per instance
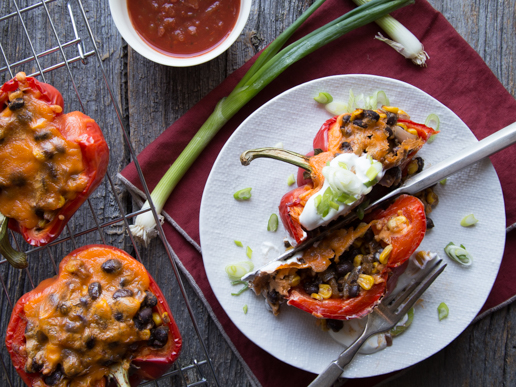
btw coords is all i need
(123, 23)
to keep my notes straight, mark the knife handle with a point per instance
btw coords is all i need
(463, 158)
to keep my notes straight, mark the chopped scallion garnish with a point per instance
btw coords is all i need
(272, 225)
(372, 172)
(324, 98)
(402, 327)
(238, 243)
(458, 254)
(361, 208)
(343, 165)
(433, 122)
(243, 194)
(443, 181)
(291, 180)
(245, 309)
(243, 289)
(468, 221)
(248, 252)
(442, 311)
(236, 271)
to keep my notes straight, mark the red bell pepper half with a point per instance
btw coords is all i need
(150, 363)
(75, 127)
(404, 244)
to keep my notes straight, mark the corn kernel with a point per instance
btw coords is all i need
(413, 167)
(157, 319)
(325, 291)
(62, 202)
(357, 242)
(21, 76)
(402, 112)
(357, 261)
(355, 114)
(295, 280)
(165, 318)
(56, 109)
(391, 109)
(145, 334)
(421, 257)
(317, 296)
(375, 267)
(395, 224)
(412, 131)
(382, 116)
(431, 198)
(38, 154)
(365, 281)
(402, 125)
(386, 253)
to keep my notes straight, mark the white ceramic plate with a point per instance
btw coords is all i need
(293, 118)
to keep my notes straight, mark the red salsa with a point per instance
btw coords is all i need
(183, 27)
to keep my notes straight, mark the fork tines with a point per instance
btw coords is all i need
(406, 299)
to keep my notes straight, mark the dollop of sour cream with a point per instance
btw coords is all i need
(346, 174)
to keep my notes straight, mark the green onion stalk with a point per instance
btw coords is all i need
(403, 41)
(271, 63)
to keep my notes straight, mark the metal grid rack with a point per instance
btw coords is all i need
(62, 55)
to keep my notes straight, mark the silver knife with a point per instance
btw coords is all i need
(463, 158)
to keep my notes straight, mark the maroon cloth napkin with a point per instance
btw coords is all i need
(455, 75)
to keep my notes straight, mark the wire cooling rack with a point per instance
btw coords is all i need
(41, 57)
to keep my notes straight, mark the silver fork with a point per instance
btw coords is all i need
(383, 318)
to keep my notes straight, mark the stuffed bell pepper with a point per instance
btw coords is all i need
(346, 275)
(102, 316)
(50, 162)
(352, 153)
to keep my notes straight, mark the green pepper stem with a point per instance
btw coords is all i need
(277, 154)
(17, 259)
(120, 374)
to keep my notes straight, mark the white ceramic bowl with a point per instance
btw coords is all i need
(123, 23)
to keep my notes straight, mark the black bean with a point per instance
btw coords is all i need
(84, 301)
(118, 316)
(60, 149)
(273, 296)
(17, 179)
(346, 146)
(429, 223)
(55, 377)
(306, 175)
(392, 119)
(139, 325)
(344, 268)
(16, 104)
(73, 327)
(286, 244)
(354, 290)
(335, 325)
(360, 123)
(39, 213)
(317, 151)
(94, 290)
(90, 343)
(133, 347)
(150, 300)
(144, 315)
(346, 118)
(41, 337)
(35, 366)
(392, 177)
(52, 170)
(112, 266)
(420, 164)
(42, 135)
(122, 293)
(159, 337)
(328, 275)
(108, 362)
(374, 116)
(311, 287)
(124, 282)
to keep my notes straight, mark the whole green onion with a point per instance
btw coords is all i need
(271, 63)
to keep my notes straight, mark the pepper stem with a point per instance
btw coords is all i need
(17, 259)
(278, 154)
(120, 373)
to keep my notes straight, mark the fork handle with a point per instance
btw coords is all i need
(336, 367)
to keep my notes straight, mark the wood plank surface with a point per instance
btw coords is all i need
(152, 97)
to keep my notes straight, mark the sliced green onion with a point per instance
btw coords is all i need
(403, 41)
(381, 98)
(433, 122)
(269, 65)
(443, 181)
(238, 243)
(346, 198)
(291, 180)
(372, 172)
(468, 221)
(272, 225)
(370, 183)
(243, 194)
(248, 252)
(323, 97)
(334, 205)
(442, 311)
(243, 289)
(361, 208)
(343, 165)
(351, 101)
(400, 328)
(458, 254)
(235, 271)
(336, 108)
(245, 309)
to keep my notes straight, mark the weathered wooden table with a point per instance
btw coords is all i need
(152, 97)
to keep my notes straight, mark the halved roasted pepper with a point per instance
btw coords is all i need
(50, 162)
(103, 315)
(346, 275)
